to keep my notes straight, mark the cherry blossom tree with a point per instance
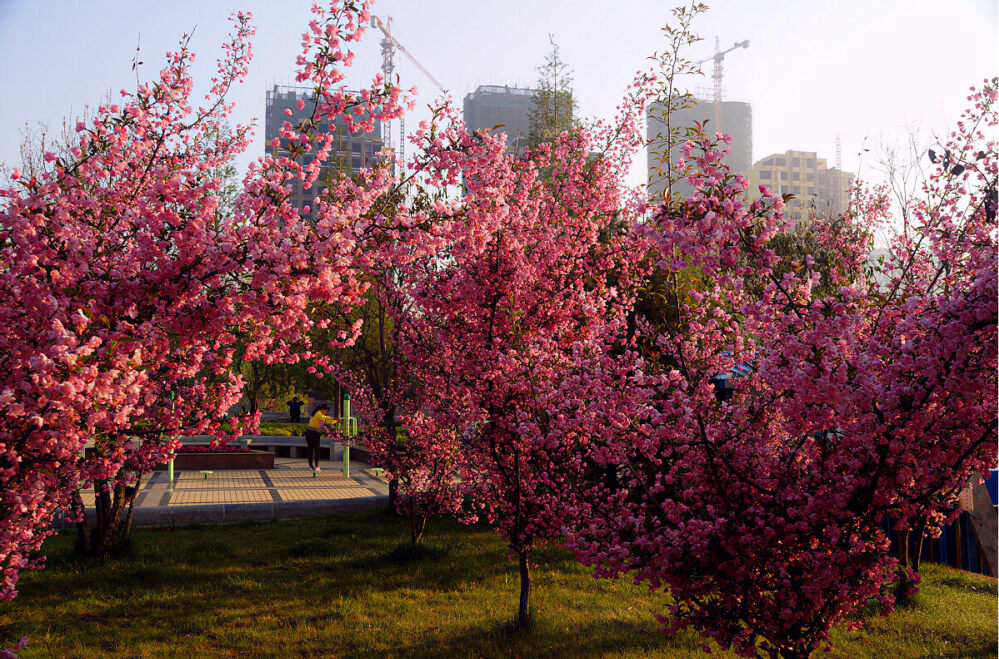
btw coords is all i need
(426, 462)
(125, 296)
(422, 461)
(868, 399)
(401, 226)
(529, 260)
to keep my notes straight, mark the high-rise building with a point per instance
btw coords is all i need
(490, 105)
(737, 120)
(352, 150)
(817, 189)
(834, 191)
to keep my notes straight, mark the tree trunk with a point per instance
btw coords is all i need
(524, 612)
(391, 426)
(114, 510)
(916, 548)
(82, 525)
(416, 523)
(254, 388)
(393, 493)
(903, 547)
(910, 548)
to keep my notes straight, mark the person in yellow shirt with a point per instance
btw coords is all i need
(314, 432)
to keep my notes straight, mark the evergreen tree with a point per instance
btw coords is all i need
(554, 103)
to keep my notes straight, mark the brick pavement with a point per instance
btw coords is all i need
(291, 489)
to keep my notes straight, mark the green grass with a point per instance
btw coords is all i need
(278, 428)
(271, 428)
(343, 587)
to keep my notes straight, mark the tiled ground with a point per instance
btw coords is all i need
(306, 493)
(290, 480)
(204, 496)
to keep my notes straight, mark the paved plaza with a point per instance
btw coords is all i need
(291, 489)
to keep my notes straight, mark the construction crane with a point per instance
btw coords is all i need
(389, 45)
(716, 75)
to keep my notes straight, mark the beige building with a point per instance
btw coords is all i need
(817, 190)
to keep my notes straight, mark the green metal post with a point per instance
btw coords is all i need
(345, 429)
(173, 405)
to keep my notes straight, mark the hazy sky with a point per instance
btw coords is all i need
(873, 69)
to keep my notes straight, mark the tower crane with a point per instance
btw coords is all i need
(389, 45)
(716, 75)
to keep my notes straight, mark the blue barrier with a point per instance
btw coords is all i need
(956, 546)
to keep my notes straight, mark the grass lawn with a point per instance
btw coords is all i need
(339, 586)
(278, 428)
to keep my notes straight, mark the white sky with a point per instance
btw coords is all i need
(872, 69)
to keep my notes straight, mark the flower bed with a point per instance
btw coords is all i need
(228, 448)
(221, 460)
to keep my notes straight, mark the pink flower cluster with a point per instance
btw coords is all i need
(875, 399)
(127, 295)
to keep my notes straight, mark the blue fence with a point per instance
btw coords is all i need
(956, 545)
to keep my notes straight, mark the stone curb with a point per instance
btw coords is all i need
(227, 513)
(224, 513)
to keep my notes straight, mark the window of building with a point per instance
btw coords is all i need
(795, 176)
(811, 176)
(766, 174)
(780, 161)
(355, 147)
(795, 161)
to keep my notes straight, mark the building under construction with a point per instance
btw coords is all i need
(352, 150)
(714, 117)
(737, 121)
(492, 105)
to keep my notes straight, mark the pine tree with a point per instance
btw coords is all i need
(554, 103)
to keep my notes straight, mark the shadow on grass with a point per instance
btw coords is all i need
(984, 650)
(408, 553)
(343, 586)
(312, 548)
(904, 603)
(451, 557)
(542, 638)
(990, 588)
